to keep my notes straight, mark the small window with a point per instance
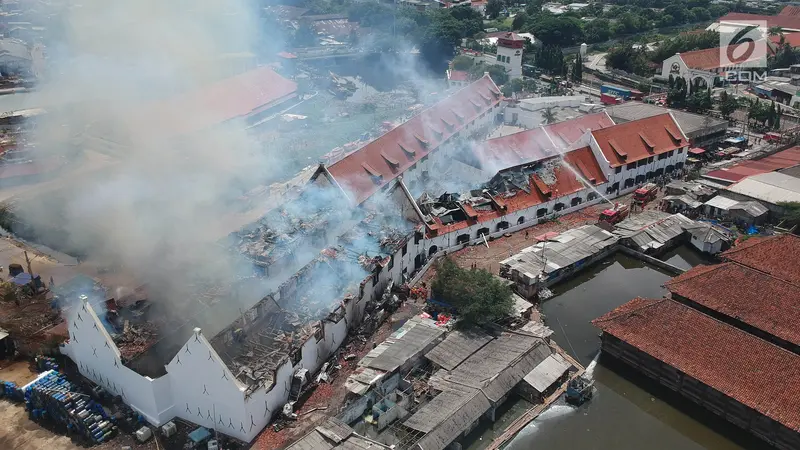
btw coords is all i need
(631, 166)
(391, 262)
(619, 169)
(671, 152)
(680, 150)
(649, 160)
(499, 58)
(405, 249)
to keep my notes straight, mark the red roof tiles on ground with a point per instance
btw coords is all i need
(536, 144)
(211, 105)
(776, 256)
(745, 294)
(781, 160)
(748, 369)
(413, 140)
(623, 144)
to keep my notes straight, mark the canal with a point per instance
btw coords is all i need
(627, 411)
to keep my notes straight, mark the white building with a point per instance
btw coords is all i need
(509, 53)
(238, 379)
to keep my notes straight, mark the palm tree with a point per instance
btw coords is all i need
(774, 31)
(549, 116)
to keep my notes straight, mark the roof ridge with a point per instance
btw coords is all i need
(695, 272)
(644, 303)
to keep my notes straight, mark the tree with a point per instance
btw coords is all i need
(438, 44)
(519, 21)
(477, 296)
(776, 122)
(560, 30)
(598, 30)
(727, 105)
(549, 116)
(550, 59)
(676, 96)
(577, 69)
(498, 74)
(462, 62)
(494, 8)
(699, 101)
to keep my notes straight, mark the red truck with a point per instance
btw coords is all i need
(607, 99)
(615, 215)
(645, 193)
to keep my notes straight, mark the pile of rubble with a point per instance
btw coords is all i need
(279, 235)
(135, 338)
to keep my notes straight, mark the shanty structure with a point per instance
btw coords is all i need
(709, 238)
(652, 231)
(334, 434)
(740, 212)
(475, 386)
(551, 260)
(770, 189)
(545, 378)
(399, 352)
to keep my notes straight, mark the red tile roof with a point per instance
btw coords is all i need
(211, 105)
(630, 142)
(781, 160)
(458, 75)
(782, 21)
(748, 369)
(406, 144)
(538, 143)
(745, 294)
(791, 11)
(582, 160)
(777, 256)
(793, 39)
(702, 59)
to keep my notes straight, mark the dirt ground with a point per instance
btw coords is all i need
(507, 246)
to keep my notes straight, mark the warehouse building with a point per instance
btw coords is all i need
(727, 339)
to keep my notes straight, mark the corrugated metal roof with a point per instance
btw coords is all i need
(547, 372)
(448, 415)
(752, 208)
(691, 124)
(772, 187)
(335, 434)
(410, 339)
(457, 347)
(561, 251)
(720, 202)
(781, 160)
(653, 229)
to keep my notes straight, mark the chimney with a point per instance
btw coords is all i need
(486, 74)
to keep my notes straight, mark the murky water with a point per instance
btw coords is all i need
(627, 411)
(685, 257)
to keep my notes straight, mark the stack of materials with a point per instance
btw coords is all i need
(52, 398)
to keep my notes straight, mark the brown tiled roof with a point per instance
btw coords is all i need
(782, 21)
(745, 294)
(413, 140)
(791, 11)
(537, 143)
(748, 369)
(777, 256)
(702, 59)
(211, 105)
(623, 144)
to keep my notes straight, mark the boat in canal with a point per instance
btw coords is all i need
(579, 390)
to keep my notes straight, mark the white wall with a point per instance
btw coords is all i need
(98, 358)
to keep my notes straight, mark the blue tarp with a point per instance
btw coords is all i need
(199, 435)
(22, 279)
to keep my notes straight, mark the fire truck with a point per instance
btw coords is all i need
(645, 194)
(615, 215)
